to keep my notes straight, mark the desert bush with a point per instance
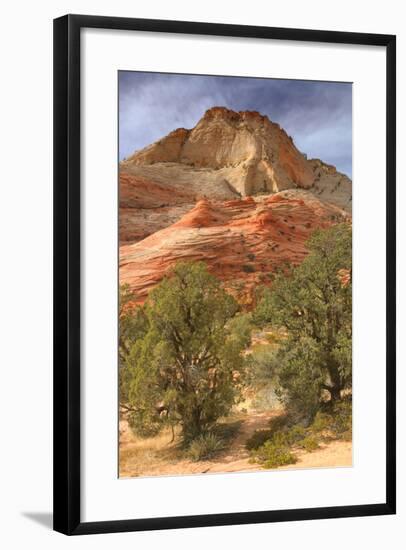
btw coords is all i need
(258, 438)
(336, 423)
(226, 431)
(296, 434)
(309, 443)
(277, 429)
(279, 423)
(205, 446)
(273, 447)
(342, 420)
(274, 453)
(248, 268)
(321, 422)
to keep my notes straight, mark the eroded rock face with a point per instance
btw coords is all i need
(234, 192)
(242, 241)
(330, 185)
(147, 206)
(243, 151)
(149, 202)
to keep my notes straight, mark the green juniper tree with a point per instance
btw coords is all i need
(184, 365)
(132, 326)
(314, 304)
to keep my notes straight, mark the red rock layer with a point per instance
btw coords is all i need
(146, 206)
(242, 241)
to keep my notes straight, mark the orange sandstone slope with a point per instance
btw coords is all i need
(147, 206)
(241, 240)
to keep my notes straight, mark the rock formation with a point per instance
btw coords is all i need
(240, 151)
(233, 191)
(242, 241)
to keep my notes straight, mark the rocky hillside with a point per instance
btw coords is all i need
(242, 241)
(234, 191)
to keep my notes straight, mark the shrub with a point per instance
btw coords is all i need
(321, 422)
(342, 420)
(296, 434)
(309, 443)
(248, 268)
(337, 422)
(258, 438)
(226, 431)
(274, 453)
(251, 256)
(279, 422)
(273, 447)
(205, 446)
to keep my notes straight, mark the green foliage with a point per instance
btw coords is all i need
(309, 443)
(188, 356)
(261, 314)
(279, 422)
(314, 305)
(334, 422)
(273, 447)
(274, 453)
(132, 326)
(145, 424)
(296, 434)
(248, 268)
(277, 426)
(205, 446)
(343, 417)
(300, 377)
(240, 328)
(226, 431)
(321, 422)
(340, 420)
(261, 365)
(258, 438)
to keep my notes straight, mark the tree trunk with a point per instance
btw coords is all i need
(335, 393)
(192, 424)
(335, 382)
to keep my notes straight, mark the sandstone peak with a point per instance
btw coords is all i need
(241, 151)
(226, 114)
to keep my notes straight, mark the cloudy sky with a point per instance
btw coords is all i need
(318, 115)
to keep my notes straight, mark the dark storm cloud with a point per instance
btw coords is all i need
(318, 115)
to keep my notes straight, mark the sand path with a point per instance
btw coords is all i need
(158, 457)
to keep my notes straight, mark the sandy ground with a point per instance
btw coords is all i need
(159, 456)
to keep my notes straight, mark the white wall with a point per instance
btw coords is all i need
(25, 290)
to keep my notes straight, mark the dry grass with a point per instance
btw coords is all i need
(137, 453)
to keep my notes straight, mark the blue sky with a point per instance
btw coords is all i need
(318, 115)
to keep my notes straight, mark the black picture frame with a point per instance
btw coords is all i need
(67, 254)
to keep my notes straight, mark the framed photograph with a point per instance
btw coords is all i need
(224, 274)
